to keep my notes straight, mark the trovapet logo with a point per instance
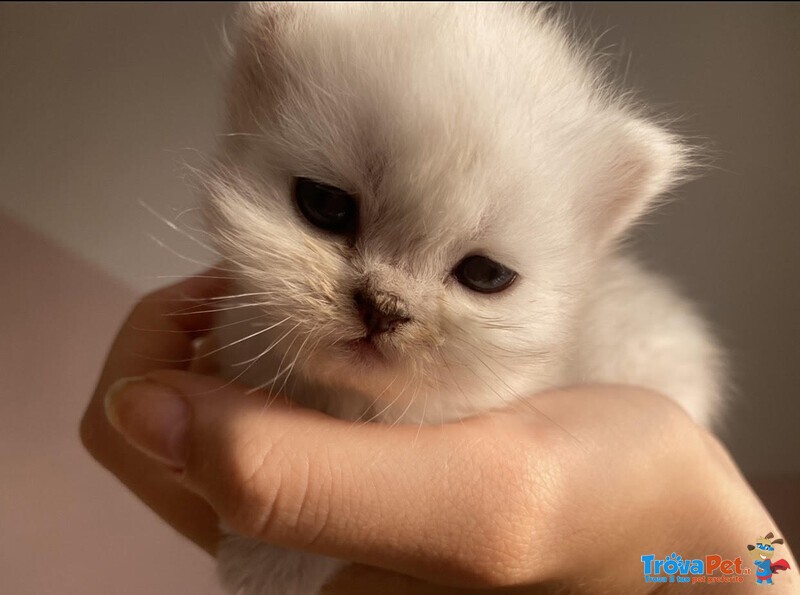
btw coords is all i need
(709, 569)
(762, 553)
(714, 568)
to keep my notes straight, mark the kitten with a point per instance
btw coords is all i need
(422, 204)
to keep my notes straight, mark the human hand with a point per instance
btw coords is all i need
(568, 494)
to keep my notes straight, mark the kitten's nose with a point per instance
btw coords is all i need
(381, 313)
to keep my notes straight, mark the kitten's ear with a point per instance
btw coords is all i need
(260, 10)
(256, 72)
(642, 162)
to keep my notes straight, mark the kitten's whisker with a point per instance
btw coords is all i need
(239, 295)
(513, 354)
(236, 307)
(237, 341)
(203, 232)
(385, 409)
(187, 258)
(238, 134)
(204, 302)
(189, 276)
(375, 400)
(455, 380)
(177, 229)
(311, 353)
(261, 387)
(217, 350)
(521, 400)
(410, 401)
(277, 341)
(199, 330)
(421, 420)
(475, 347)
(294, 361)
(184, 212)
(243, 372)
(233, 380)
(281, 370)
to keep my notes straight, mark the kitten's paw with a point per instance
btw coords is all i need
(250, 567)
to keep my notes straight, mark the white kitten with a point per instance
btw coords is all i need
(422, 202)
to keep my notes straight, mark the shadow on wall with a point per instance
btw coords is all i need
(68, 526)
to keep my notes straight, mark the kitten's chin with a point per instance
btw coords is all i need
(361, 364)
(364, 352)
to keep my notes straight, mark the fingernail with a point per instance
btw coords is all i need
(152, 417)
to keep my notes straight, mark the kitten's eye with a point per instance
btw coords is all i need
(326, 207)
(483, 274)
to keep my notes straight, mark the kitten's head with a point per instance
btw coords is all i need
(420, 191)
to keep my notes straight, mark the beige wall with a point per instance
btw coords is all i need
(100, 104)
(67, 527)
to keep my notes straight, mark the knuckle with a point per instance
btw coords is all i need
(273, 491)
(498, 552)
(249, 477)
(497, 559)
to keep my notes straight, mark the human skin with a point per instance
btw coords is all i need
(563, 494)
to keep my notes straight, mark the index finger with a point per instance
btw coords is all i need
(149, 336)
(160, 329)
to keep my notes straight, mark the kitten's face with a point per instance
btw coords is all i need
(419, 200)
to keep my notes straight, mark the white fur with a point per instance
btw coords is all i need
(462, 128)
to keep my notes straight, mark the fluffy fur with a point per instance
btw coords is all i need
(461, 128)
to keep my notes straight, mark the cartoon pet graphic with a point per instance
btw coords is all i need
(762, 553)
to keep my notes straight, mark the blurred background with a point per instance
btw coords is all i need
(102, 104)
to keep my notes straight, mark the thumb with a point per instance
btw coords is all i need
(414, 500)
